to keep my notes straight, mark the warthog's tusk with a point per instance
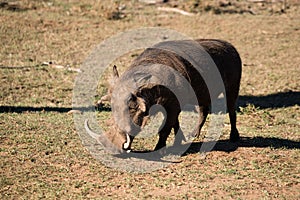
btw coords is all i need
(89, 131)
(127, 143)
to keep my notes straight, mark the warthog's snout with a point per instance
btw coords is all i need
(113, 140)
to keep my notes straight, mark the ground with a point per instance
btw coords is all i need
(43, 43)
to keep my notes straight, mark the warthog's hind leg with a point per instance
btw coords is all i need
(234, 134)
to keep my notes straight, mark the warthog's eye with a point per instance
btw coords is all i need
(132, 102)
(132, 105)
(136, 103)
(132, 97)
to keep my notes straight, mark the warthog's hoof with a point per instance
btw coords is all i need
(159, 145)
(234, 136)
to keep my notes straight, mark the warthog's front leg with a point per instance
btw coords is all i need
(171, 122)
(203, 112)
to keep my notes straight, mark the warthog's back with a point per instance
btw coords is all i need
(222, 53)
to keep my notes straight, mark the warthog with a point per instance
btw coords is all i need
(131, 98)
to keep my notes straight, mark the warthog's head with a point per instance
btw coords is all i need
(130, 110)
(130, 114)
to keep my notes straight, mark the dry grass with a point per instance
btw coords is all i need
(42, 155)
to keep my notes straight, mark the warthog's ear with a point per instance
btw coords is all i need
(113, 79)
(115, 72)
